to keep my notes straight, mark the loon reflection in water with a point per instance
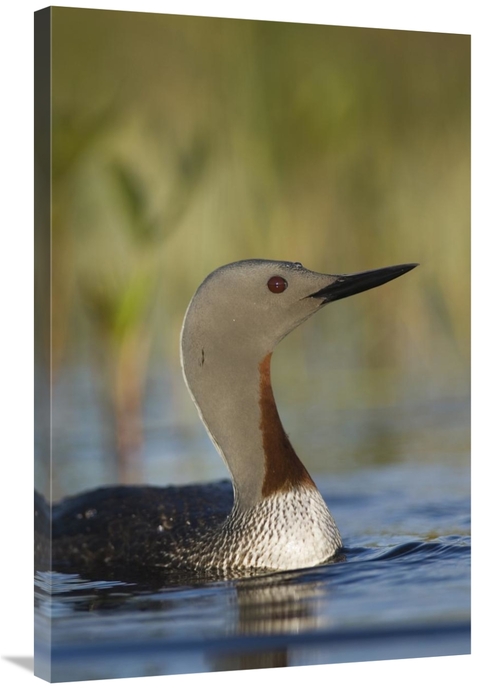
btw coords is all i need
(272, 517)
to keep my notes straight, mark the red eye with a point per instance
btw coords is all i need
(277, 284)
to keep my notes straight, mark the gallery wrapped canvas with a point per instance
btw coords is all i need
(252, 344)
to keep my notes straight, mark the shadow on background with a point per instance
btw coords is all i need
(24, 662)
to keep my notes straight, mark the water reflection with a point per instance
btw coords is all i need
(277, 606)
(260, 615)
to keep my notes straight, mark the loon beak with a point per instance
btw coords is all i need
(346, 285)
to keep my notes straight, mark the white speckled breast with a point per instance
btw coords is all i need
(285, 531)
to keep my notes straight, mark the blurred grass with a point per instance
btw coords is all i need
(183, 143)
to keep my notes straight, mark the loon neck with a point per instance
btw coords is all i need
(236, 403)
(283, 469)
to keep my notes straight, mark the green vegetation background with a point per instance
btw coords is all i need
(183, 143)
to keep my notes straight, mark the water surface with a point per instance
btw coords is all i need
(403, 590)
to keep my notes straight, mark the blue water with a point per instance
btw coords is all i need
(402, 591)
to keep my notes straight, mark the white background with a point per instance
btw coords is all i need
(16, 335)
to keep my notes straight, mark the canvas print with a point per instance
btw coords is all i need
(252, 374)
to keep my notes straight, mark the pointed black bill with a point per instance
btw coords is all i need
(347, 285)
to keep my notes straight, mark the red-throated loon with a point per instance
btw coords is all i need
(273, 517)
